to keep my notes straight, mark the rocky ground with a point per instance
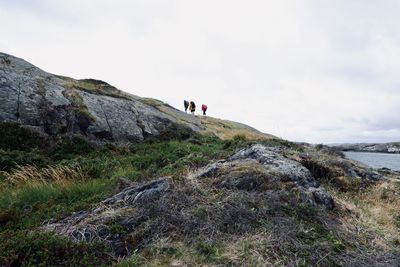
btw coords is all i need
(259, 190)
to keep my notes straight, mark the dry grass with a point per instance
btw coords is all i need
(33, 175)
(374, 212)
(227, 130)
(221, 128)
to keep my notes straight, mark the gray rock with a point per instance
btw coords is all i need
(246, 182)
(275, 169)
(135, 194)
(93, 109)
(275, 162)
(322, 197)
(96, 224)
(208, 171)
(53, 106)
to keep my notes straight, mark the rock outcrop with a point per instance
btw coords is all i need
(258, 176)
(57, 105)
(113, 218)
(265, 167)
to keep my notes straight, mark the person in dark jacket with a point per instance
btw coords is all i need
(204, 109)
(186, 105)
(192, 107)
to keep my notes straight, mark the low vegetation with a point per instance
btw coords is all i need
(39, 183)
(213, 225)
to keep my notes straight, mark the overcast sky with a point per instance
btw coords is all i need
(305, 70)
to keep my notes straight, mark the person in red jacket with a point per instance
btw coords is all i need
(204, 109)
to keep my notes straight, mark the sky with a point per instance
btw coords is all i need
(317, 71)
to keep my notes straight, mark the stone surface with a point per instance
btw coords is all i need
(37, 98)
(273, 170)
(273, 161)
(112, 219)
(56, 105)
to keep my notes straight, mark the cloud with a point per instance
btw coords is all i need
(316, 71)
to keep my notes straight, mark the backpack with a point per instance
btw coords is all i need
(203, 107)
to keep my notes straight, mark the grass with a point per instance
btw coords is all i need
(33, 203)
(40, 182)
(202, 224)
(34, 175)
(377, 210)
(77, 101)
(91, 86)
(40, 89)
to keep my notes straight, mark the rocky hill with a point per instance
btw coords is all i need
(181, 191)
(367, 147)
(57, 105)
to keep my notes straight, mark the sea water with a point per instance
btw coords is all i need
(376, 160)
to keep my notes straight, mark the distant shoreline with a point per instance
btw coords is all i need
(387, 148)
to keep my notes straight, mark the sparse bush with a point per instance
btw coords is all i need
(397, 222)
(174, 132)
(239, 138)
(200, 212)
(207, 249)
(6, 215)
(319, 146)
(317, 169)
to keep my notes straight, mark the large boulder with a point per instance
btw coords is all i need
(56, 105)
(260, 167)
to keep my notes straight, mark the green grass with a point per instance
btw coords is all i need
(34, 203)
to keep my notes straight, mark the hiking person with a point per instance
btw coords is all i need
(186, 105)
(192, 107)
(204, 109)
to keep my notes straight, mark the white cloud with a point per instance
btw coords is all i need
(317, 71)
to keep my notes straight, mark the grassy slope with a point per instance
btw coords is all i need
(221, 128)
(71, 175)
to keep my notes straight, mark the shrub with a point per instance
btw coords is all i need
(6, 215)
(44, 249)
(206, 249)
(239, 138)
(12, 159)
(70, 147)
(15, 137)
(175, 132)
